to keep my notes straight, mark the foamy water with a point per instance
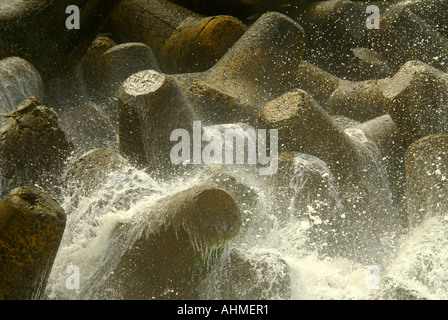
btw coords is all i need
(273, 248)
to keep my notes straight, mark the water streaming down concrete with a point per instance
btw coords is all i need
(273, 249)
(299, 239)
(284, 249)
(18, 81)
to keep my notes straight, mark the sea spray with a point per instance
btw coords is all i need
(91, 219)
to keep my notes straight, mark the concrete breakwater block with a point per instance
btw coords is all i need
(426, 185)
(89, 170)
(36, 30)
(238, 8)
(115, 65)
(220, 177)
(260, 60)
(256, 69)
(151, 106)
(385, 135)
(33, 147)
(403, 36)
(31, 228)
(358, 100)
(316, 81)
(365, 64)
(434, 12)
(305, 127)
(175, 244)
(417, 98)
(19, 80)
(182, 40)
(381, 130)
(333, 28)
(91, 63)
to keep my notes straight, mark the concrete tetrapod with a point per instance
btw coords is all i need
(31, 228)
(116, 65)
(265, 63)
(359, 100)
(33, 149)
(426, 178)
(367, 64)
(91, 63)
(303, 126)
(182, 40)
(238, 8)
(417, 98)
(151, 106)
(260, 61)
(385, 134)
(36, 30)
(381, 130)
(257, 68)
(19, 80)
(89, 170)
(434, 12)
(333, 28)
(173, 245)
(104, 71)
(403, 36)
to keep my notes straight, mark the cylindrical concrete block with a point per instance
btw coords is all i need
(196, 46)
(151, 107)
(89, 170)
(122, 61)
(404, 36)
(33, 147)
(416, 100)
(181, 237)
(303, 126)
(317, 82)
(31, 229)
(381, 130)
(238, 8)
(260, 63)
(19, 80)
(358, 100)
(426, 163)
(182, 41)
(36, 30)
(91, 63)
(217, 107)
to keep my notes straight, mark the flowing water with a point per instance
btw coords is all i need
(18, 81)
(285, 247)
(304, 237)
(308, 237)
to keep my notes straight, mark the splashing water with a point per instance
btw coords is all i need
(299, 237)
(271, 258)
(18, 81)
